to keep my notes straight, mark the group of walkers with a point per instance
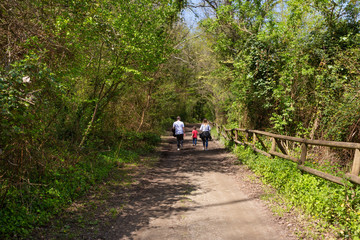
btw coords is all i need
(179, 133)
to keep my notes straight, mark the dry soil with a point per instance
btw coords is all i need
(189, 194)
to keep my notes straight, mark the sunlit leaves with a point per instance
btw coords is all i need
(288, 62)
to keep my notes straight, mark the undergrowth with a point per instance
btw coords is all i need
(36, 200)
(337, 206)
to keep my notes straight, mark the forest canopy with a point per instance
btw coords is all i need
(84, 77)
(289, 66)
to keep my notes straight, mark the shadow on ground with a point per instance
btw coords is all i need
(116, 211)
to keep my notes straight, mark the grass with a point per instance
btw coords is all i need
(100, 206)
(30, 206)
(330, 207)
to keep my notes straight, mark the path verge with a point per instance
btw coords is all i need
(186, 194)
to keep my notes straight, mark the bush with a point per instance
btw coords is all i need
(337, 205)
(35, 201)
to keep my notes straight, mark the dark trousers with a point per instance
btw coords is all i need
(205, 142)
(180, 140)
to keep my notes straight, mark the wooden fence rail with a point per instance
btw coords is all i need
(243, 137)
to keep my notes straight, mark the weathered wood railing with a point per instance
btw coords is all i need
(244, 136)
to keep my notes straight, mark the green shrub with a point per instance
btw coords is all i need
(34, 202)
(337, 205)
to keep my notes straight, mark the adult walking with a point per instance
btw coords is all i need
(205, 135)
(179, 128)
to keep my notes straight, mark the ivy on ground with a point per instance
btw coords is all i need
(337, 205)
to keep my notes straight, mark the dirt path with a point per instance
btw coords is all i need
(190, 194)
(195, 194)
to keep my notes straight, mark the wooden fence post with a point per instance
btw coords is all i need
(254, 138)
(228, 134)
(303, 153)
(281, 147)
(273, 145)
(261, 142)
(355, 170)
(247, 136)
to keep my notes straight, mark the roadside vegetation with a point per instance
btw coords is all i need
(329, 210)
(40, 197)
(335, 208)
(86, 85)
(291, 67)
(81, 92)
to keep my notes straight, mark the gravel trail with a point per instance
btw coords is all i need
(189, 194)
(197, 194)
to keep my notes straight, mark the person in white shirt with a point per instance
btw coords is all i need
(179, 132)
(205, 128)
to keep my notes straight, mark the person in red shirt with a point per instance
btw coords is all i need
(194, 136)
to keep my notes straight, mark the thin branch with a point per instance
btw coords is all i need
(186, 40)
(181, 60)
(211, 5)
(25, 100)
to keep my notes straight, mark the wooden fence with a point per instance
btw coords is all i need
(244, 136)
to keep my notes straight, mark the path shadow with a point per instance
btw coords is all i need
(154, 195)
(165, 185)
(150, 199)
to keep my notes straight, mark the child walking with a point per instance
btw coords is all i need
(194, 136)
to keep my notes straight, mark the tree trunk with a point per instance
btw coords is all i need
(144, 110)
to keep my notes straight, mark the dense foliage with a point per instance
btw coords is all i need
(289, 67)
(292, 66)
(328, 202)
(82, 77)
(34, 203)
(77, 78)
(78, 70)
